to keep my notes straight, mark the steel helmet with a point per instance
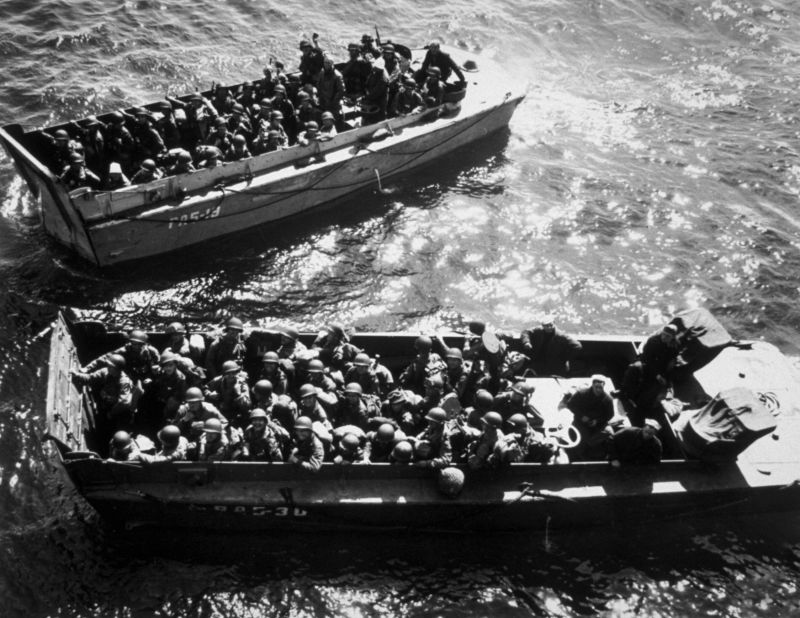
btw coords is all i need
(434, 71)
(149, 164)
(362, 360)
(423, 344)
(276, 114)
(270, 357)
(221, 122)
(230, 366)
(355, 388)
(61, 134)
(258, 413)
(117, 117)
(492, 419)
(303, 422)
(403, 451)
(385, 432)
(291, 333)
(327, 116)
(316, 366)
(307, 390)
(522, 388)
(76, 157)
(483, 399)
(312, 125)
(167, 357)
(350, 442)
(117, 360)
(234, 324)
(169, 435)
(212, 425)
(303, 96)
(238, 108)
(121, 439)
(436, 415)
(194, 394)
(263, 387)
(138, 336)
(184, 156)
(518, 422)
(455, 353)
(451, 481)
(174, 327)
(239, 140)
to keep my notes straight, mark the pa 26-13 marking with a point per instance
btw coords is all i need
(197, 215)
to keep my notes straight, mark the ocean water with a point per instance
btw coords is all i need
(653, 166)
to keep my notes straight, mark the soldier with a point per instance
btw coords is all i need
(77, 176)
(148, 172)
(424, 364)
(115, 179)
(487, 449)
(402, 408)
(374, 378)
(402, 453)
(376, 96)
(636, 445)
(437, 452)
(272, 371)
(435, 57)
(223, 99)
(194, 412)
(120, 146)
(259, 441)
(381, 442)
(63, 148)
(200, 113)
(310, 135)
(549, 349)
(524, 445)
(307, 450)
(330, 86)
(208, 157)
(311, 60)
(659, 353)
(174, 447)
(93, 143)
(265, 87)
(112, 388)
(228, 346)
(434, 392)
(407, 99)
(230, 392)
(355, 408)
(238, 150)
(349, 449)
(123, 447)
(246, 96)
(141, 359)
(291, 347)
(262, 395)
(592, 408)
(327, 130)
(183, 164)
(169, 385)
(213, 444)
(149, 144)
(433, 88)
(311, 407)
(239, 123)
(220, 138)
(485, 349)
(368, 47)
(355, 71)
(458, 378)
(167, 125)
(391, 63)
(516, 400)
(287, 117)
(335, 349)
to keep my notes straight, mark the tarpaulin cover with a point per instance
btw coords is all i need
(724, 427)
(701, 328)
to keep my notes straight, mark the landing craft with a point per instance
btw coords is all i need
(146, 220)
(734, 449)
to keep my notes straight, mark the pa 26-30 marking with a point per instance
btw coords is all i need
(253, 510)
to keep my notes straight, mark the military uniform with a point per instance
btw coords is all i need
(550, 352)
(260, 445)
(308, 454)
(190, 422)
(231, 396)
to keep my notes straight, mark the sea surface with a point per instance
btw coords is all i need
(653, 166)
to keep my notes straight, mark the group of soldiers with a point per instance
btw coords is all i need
(278, 111)
(332, 401)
